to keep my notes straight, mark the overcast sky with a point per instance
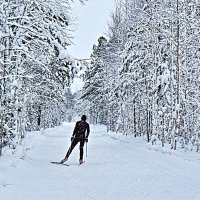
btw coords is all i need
(91, 22)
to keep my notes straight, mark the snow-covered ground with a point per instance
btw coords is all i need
(117, 168)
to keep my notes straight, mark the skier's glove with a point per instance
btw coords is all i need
(86, 139)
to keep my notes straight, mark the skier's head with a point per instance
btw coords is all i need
(83, 118)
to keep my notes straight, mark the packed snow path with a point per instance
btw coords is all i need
(117, 168)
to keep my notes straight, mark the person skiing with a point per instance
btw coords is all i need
(79, 135)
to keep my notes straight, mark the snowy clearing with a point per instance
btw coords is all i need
(117, 168)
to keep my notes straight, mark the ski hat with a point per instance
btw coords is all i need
(83, 117)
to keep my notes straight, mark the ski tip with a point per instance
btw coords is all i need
(56, 162)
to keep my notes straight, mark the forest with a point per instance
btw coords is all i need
(142, 80)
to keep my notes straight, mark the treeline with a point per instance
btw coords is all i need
(144, 79)
(35, 68)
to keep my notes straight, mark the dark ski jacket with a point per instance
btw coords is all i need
(80, 129)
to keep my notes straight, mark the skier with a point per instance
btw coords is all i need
(79, 135)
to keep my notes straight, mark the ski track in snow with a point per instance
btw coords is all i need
(117, 168)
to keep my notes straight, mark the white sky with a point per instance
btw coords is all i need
(92, 19)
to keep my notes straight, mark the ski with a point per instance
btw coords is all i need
(59, 163)
(81, 163)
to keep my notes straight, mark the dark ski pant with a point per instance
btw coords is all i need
(74, 142)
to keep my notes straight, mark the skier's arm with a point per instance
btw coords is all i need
(88, 131)
(74, 132)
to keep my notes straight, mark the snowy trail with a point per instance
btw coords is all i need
(116, 169)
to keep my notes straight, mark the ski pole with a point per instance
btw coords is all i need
(86, 149)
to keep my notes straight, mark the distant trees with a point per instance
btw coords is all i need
(35, 68)
(147, 83)
(95, 80)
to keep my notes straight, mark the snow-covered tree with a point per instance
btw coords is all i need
(154, 92)
(35, 67)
